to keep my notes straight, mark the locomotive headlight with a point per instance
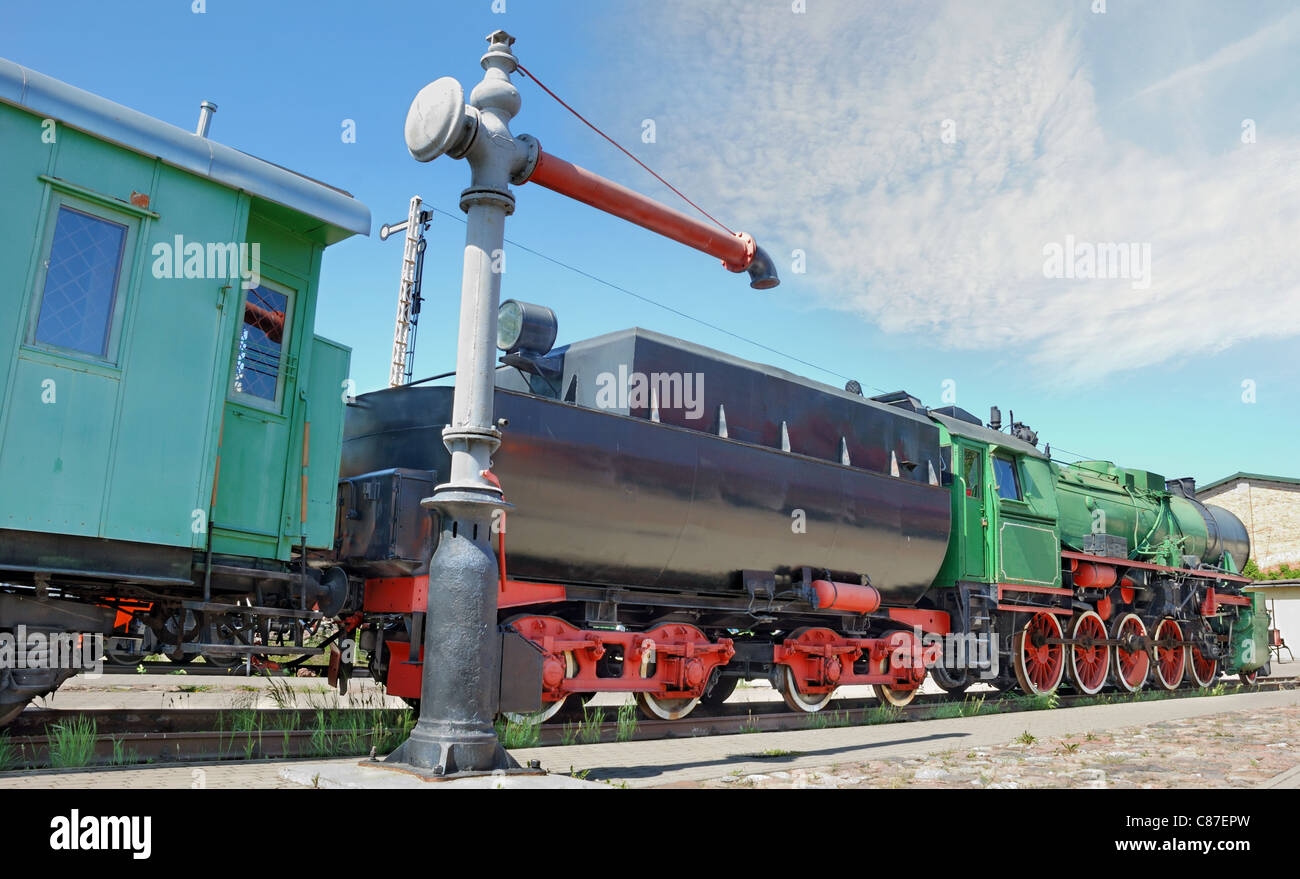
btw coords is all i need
(522, 326)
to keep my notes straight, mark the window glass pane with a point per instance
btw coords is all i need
(972, 472)
(261, 340)
(81, 283)
(1005, 471)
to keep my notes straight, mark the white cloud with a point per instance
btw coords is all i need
(1282, 32)
(822, 131)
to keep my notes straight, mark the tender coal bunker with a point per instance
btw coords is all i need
(613, 497)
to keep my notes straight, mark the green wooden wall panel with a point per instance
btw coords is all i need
(53, 456)
(330, 362)
(162, 467)
(251, 497)
(25, 157)
(102, 166)
(280, 248)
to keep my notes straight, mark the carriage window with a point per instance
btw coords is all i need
(971, 470)
(259, 344)
(1004, 470)
(83, 271)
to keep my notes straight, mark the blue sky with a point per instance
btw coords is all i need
(921, 155)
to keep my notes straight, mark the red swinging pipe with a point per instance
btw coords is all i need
(736, 251)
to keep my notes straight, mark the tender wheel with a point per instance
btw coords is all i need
(1131, 663)
(1089, 657)
(722, 689)
(1170, 661)
(807, 702)
(655, 707)
(1249, 678)
(895, 696)
(665, 709)
(1201, 669)
(549, 709)
(1039, 665)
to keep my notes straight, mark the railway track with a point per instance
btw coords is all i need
(774, 716)
(101, 737)
(204, 670)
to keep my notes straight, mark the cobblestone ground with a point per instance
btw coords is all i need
(1219, 750)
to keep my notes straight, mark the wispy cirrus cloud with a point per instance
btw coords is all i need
(1284, 31)
(825, 131)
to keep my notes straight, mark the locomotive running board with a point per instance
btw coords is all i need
(1151, 566)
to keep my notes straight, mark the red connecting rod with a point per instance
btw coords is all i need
(735, 251)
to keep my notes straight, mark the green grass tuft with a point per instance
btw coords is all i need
(883, 713)
(627, 722)
(72, 742)
(519, 731)
(589, 729)
(10, 757)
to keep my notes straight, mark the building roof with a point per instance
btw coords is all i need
(101, 118)
(1251, 477)
(1276, 590)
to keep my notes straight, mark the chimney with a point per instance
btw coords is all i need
(206, 109)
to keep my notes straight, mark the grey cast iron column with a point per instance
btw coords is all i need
(462, 652)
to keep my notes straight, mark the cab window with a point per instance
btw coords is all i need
(1004, 471)
(971, 471)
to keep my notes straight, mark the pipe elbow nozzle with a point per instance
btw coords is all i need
(762, 271)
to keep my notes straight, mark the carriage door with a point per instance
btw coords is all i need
(259, 429)
(974, 521)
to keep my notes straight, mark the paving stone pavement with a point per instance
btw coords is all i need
(1238, 750)
(692, 762)
(1266, 725)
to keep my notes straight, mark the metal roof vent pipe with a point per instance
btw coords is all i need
(206, 109)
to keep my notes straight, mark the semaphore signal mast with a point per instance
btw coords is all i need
(401, 369)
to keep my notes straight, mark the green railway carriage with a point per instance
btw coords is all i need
(158, 294)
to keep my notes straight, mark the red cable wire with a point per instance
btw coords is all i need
(525, 72)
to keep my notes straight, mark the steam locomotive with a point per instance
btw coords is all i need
(683, 520)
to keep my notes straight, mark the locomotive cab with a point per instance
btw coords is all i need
(1004, 511)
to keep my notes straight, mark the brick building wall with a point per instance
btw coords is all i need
(1270, 509)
